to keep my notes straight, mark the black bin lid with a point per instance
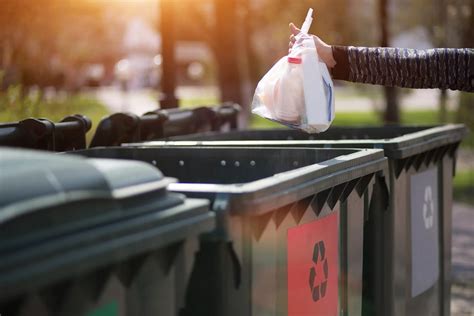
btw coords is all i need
(62, 215)
(42, 192)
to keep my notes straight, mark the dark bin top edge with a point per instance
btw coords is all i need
(425, 140)
(225, 146)
(283, 188)
(395, 148)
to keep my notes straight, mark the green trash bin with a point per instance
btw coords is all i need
(410, 273)
(93, 237)
(289, 238)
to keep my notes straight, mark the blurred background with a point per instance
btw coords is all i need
(135, 55)
(95, 57)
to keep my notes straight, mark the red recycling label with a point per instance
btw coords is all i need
(313, 265)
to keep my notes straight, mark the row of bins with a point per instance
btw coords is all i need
(70, 133)
(122, 128)
(100, 236)
(301, 227)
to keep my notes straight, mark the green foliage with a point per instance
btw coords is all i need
(195, 102)
(366, 118)
(465, 114)
(16, 105)
(464, 186)
(342, 119)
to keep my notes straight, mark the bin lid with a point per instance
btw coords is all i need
(61, 214)
(128, 178)
(44, 195)
(39, 182)
(35, 180)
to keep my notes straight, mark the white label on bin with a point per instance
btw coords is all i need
(424, 231)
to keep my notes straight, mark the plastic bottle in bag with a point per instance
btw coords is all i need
(289, 97)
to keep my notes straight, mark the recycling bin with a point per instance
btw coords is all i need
(289, 235)
(409, 247)
(93, 237)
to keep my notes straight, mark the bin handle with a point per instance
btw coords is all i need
(237, 269)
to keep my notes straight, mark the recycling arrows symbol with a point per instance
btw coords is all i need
(318, 290)
(428, 208)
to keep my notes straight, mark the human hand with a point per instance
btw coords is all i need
(324, 50)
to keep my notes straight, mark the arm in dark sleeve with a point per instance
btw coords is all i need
(443, 68)
(342, 68)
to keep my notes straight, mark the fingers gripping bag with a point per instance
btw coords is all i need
(298, 90)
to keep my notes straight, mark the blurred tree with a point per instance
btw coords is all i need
(44, 41)
(168, 30)
(439, 35)
(265, 31)
(249, 25)
(461, 32)
(392, 109)
(341, 22)
(227, 49)
(333, 21)
(216, 22)
(449, 23)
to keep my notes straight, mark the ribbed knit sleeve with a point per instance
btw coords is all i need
(443, 68)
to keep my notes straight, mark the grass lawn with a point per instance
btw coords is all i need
(13, 110)
(195, 102)
(425, 117)
(366, 118)
(464, 186)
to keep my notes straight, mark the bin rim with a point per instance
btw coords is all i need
(261, 196)
(396, 148)
(264, 195)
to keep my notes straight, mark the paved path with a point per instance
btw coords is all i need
(465, 160)
(135, 101)
(463, 243)
(462, 296)
(143, 100)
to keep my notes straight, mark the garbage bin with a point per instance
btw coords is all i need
(203, 118)
(410, 274)
(289, 238)
(121, 128)
(66, 135)
(93, 237)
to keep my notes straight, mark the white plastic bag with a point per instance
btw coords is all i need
(298, 90)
